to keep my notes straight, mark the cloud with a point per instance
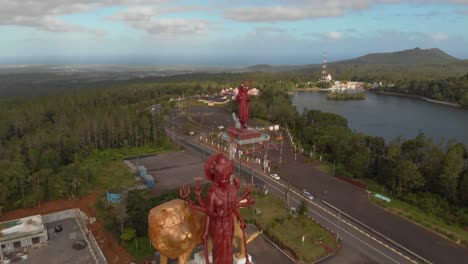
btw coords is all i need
(148, 19)
(278, 13)
(268, 32)
(295, 10)
(439, 37)
(333, 35)
(175, 27)
(43, 14)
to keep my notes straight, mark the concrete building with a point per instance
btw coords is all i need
(22, 234)
(61, 238)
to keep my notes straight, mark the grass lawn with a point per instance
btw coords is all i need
(326, 167)
(288, 231)
(108, 169)
(412, 213)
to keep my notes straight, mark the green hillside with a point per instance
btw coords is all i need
(405, 57)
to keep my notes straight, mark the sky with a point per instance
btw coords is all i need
(229, 32)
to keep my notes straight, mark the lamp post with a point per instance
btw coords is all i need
(334, 167)
(281, 148)
(251, 165)
(1, 255)
(204, 150)
(252, 182)
(240, 163)
(338, 227)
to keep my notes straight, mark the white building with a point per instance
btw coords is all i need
(341, 86)
(15, 235)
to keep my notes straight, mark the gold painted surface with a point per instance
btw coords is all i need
(174, 229)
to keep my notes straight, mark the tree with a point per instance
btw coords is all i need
(129, 234)
(401, 176)
(303, 206)
(464, 100)
(463, 189)
(452, 167)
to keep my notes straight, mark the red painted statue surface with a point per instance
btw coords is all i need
(220, 204)
(243, 101)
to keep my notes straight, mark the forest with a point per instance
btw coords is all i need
(454, 89)
(44, 140)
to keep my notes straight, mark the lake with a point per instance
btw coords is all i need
(390, 116)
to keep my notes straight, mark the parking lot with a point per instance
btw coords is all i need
(172, 170)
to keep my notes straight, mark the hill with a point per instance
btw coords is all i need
(405, 57)
(412, 64)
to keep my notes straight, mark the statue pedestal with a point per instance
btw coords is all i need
(199, 258)
(242, 260)
(245, 136)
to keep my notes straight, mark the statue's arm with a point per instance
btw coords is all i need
(185, 194)
(246, 195)
(198, 192)
(239, 218)
(210, 211)
(197, 207)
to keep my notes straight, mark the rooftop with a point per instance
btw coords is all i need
(21, 227)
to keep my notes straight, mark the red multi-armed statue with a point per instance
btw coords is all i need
(243, 100)
(219, 206)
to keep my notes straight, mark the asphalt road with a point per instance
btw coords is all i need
(353, 236)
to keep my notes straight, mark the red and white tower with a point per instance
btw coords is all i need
(324, 66)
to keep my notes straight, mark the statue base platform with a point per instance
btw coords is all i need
(242, 260)
(198, 258)
(245, 136)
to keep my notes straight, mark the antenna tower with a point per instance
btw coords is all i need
(324, 66)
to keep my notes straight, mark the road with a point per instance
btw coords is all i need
(352, 234)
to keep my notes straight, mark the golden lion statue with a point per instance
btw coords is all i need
(175, 230)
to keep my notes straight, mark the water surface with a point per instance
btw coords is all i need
(392, 116)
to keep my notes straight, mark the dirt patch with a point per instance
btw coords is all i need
(113, 250)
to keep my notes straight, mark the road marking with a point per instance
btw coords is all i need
(376, 232)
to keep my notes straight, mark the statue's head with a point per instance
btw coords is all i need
(218, 169)
(241, 87)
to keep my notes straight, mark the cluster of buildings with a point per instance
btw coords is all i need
(224, 96)
(342, 86)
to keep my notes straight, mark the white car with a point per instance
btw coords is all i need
(275, 176)
(307, 194)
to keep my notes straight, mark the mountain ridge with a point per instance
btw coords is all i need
(409, 56)
(402, 57)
